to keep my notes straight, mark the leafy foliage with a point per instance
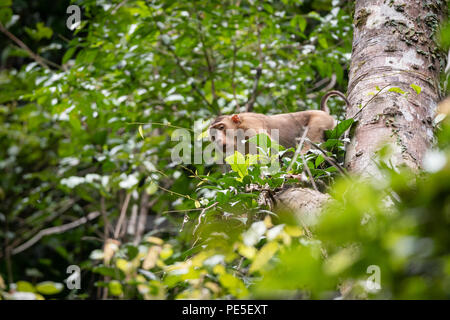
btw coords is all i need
(92, 134)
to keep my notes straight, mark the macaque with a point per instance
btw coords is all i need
(287, 128)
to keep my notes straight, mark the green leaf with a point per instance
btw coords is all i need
(86, 56)
(5, 15)
(107, 271)
(152, 188)
(141, 132)
(319, 160)
(337, 132)
(132, 251)
(322, 41)
(261, 140)
(331, 143)
(25, 286)
(263, 256)
(268, 7)
(238, 163)
(69, 53)
(397, 89)
(115, 288)
(300, 22)
(234, 285)
(40, 32)
(416, 88)
(5, 3)
(49, 287)
(444, 35)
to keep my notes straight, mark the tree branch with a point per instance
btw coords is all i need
(328, 159)
(42, 61)
(205, 53)
(233, 76)
(298, 150)
(55, 230)
(183, 70)
(251, 101)
(123, 213)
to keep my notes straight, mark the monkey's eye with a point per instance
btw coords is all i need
(221, 127)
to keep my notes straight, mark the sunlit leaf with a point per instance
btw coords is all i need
(49, 287)
(263, 256)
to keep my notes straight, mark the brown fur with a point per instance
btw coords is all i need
(290, 126)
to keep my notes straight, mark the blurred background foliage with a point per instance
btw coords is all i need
(85, 131)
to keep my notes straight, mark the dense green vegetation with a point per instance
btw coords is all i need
(88, 132)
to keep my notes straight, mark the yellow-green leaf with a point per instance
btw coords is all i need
(25, 286)
(166, 252)
(396, 89)
(49, 287)
(122, 264)
(141, 132)
(115, 288)
(263, 256)
(234, 285)
(246, 251)
(293, 231)
(322, 41)
(238, 163)
(152, 188)
(155, 240)
(202, 135)
(416, 88)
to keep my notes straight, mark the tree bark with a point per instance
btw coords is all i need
(393, 47)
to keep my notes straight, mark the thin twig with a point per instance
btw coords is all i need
(206, 54)
(106, 225)
(118, 6)
(7, 251)
(328, 87)
(328, 159)
(233, 68)
(56, 213)
(347, 132)
(144, 205)
(252, 99)
(233, 75)
(180, 211)
(202, 214)
(122, 215)
(183, 70)
(53, 230)
(305, 167)
(106, 228)
(43, 62)
(159, 124)
(298, 150)
(370, 100)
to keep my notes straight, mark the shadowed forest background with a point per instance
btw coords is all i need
(87, 178)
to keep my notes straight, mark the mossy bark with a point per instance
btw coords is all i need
(393, 47)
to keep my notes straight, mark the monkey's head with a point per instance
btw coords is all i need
(223, 129)
(230, 133)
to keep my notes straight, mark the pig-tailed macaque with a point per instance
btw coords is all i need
(229, 132)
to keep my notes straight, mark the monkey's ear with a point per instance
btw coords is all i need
(235, 118)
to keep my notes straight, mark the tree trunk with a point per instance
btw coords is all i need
(393, 47)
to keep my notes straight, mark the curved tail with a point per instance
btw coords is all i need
(323, 102)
